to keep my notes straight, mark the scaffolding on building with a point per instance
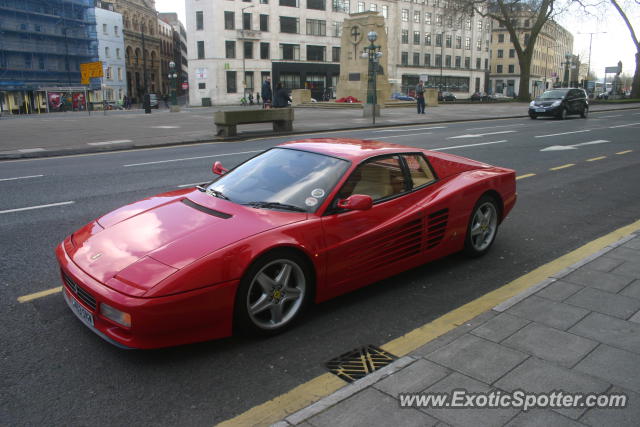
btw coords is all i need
(42, 44)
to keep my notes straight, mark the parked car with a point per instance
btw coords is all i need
(446, 96)
(401, 97)
(498, 97)
(479, 96)
(153, 101)
(560, 103)
(300, 223)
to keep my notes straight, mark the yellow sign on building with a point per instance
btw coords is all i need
(89, 70)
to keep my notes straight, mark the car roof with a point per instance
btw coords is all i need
(354, 150)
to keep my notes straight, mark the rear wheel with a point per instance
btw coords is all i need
(273, 293)
(482, 228)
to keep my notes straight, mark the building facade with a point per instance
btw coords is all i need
(165, 32)
(42, 45)
(142, 46)
(111, 51)
(547, 64)
(235, 45)
(179, 48)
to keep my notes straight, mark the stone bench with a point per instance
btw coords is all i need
(227, 121)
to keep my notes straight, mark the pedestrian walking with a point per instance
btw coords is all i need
(267, 95)
(420, 96)
(282, 98)
(257, 97)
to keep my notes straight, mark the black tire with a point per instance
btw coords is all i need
(584, 112)
(563, 114)
(278, 298)
(480, 234)
(533, 116)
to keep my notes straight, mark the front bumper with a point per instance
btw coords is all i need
(545, 111)
(198, 315)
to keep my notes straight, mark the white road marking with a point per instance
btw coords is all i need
(191, 158)
(165, 127)
(408, 134)
(36, 207)
(190, 185)
(409, 130)
(468, 145)
(20, 177)
(493, 127)
(31, 150)
(563, 133)
(623, 126)
(609, 117)
(117, 141)
(478, 135)
(574, 146)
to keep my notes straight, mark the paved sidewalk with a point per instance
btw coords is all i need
(578, 331)
(77, 132)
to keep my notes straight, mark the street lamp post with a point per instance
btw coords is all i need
(567, 62)
(590, 42)
(372, 52)
(173, 79)
(244, 73)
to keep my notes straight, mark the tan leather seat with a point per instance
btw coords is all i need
(375, 181)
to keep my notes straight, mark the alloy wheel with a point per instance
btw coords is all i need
(483, 226)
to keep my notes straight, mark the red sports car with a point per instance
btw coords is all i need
(302, 222)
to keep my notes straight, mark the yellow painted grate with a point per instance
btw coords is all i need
(358, 363)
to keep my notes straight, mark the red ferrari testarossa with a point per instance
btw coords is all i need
(299, 223)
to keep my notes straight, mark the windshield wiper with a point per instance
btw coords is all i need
(217, 194)
(275, 205)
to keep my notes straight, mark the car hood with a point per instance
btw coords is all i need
(147, 241)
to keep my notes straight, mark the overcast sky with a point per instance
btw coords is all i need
(606, 51)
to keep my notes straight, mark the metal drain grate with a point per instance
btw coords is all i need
(360, 362)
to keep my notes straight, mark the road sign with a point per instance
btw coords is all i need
(89, 70)
(185, 86)
(612, 70)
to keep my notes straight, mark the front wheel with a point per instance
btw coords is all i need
(482, 228)
(584, 112)
(563, 114)
(272, 294)
(533, 116)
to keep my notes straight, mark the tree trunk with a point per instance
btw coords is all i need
(525, 75)
(635, 86)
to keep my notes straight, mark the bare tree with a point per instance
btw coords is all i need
(635, 86)
(508, 13)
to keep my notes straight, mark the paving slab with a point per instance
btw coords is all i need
(478, 358)
(499, 327)
(633, 244)
(628, 268)
(604, 264)
(633, 290)
(467, 417)
(624, 253)
(611, 282)
(559, 290)
(551, 313)
(542, 418)
(609, 330)
(619, 367)
(605, 302)
(635, 318)
(374, 408)
(538, 376)
(413, 378)
(550, 344)
(615, 417)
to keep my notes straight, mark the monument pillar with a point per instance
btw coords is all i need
(354, 68)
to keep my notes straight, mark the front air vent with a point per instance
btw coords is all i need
(436, 227)
(206, 210)
(79, 292)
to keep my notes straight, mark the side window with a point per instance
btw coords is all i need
(379, 178)
(419, 170)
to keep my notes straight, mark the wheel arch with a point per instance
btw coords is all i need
(498, 198)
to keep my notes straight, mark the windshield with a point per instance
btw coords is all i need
(553, 94)
(282, 179)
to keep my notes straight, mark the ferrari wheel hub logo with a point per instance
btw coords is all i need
(277, 294)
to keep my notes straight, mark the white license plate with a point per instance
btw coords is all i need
(539, 110)
(81, 312)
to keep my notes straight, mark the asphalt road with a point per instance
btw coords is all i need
(56, 372)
